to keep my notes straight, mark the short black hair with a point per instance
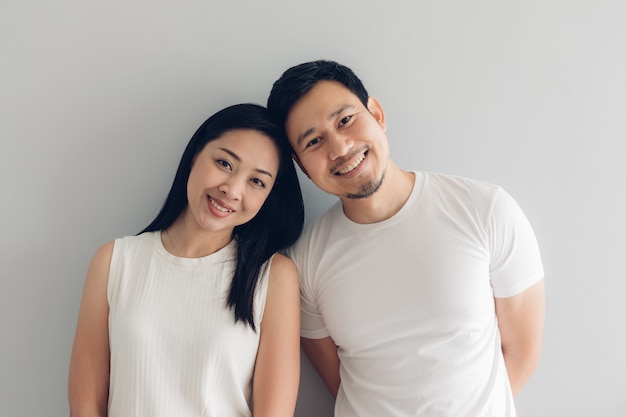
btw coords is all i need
(300, 79)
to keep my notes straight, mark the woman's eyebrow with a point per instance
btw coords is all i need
(238, 159)
(231, 153)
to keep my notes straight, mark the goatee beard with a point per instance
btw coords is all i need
(368, 189)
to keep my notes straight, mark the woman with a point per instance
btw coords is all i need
(197, 315)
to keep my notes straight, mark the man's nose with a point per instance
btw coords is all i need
(339, 145)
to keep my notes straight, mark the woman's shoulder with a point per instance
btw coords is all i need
(283, 273)
(103, 254)
(110, 250)
(283, 290)
(147, 241)
(282, 266)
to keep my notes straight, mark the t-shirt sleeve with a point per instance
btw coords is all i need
(515, 258)
(312, 325)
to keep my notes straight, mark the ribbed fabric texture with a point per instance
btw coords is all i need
(175, 347)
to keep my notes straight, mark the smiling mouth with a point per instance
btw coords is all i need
(352, 166)
(220, 208)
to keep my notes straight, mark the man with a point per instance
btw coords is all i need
(422, 294)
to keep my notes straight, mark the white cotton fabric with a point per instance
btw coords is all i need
(175, 347)
(410, 300)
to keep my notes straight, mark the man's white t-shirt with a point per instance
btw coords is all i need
(409, 301)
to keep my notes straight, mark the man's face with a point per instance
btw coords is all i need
(339, 143)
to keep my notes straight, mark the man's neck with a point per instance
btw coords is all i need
(384, 203)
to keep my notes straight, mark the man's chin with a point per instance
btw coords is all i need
(367, 190)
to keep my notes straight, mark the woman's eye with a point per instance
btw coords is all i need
(258, 182)
(224, 164)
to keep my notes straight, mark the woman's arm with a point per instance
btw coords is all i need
(88, 387)
(277, 369)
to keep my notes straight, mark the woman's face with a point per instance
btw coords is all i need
(230, 179)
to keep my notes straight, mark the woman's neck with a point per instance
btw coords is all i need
(186, 240)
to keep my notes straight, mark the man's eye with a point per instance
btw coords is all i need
(314, 141)
(344, 120)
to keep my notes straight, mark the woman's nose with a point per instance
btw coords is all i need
(232, 189)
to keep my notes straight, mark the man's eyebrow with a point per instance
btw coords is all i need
(334, 114)
(340, 110)
(238, 159)
(303, 135)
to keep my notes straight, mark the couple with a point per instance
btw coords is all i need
(419, 294)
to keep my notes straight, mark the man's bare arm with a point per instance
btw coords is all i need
(521, 320)
(323, 356)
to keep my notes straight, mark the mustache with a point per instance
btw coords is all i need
(344, 159)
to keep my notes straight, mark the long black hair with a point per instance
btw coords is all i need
(278, 223)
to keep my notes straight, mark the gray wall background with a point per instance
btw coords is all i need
(98, 99)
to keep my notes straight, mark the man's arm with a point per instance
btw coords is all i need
(323, 356)
(520, 320)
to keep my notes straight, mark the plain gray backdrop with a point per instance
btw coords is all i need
(98, 99)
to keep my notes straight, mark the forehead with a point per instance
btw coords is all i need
(249, 145)
(324, 95)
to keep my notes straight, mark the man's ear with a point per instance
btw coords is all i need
(376, 110)
(297, 160)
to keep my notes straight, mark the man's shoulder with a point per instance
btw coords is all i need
(456, 179)
(459, 185)
(319, 230)
(324, 222)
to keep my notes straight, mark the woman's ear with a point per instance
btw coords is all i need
(376, 110)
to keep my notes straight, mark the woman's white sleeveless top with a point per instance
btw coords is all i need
(175, 347)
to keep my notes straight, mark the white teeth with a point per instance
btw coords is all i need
(352, 165)
(220, 208)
